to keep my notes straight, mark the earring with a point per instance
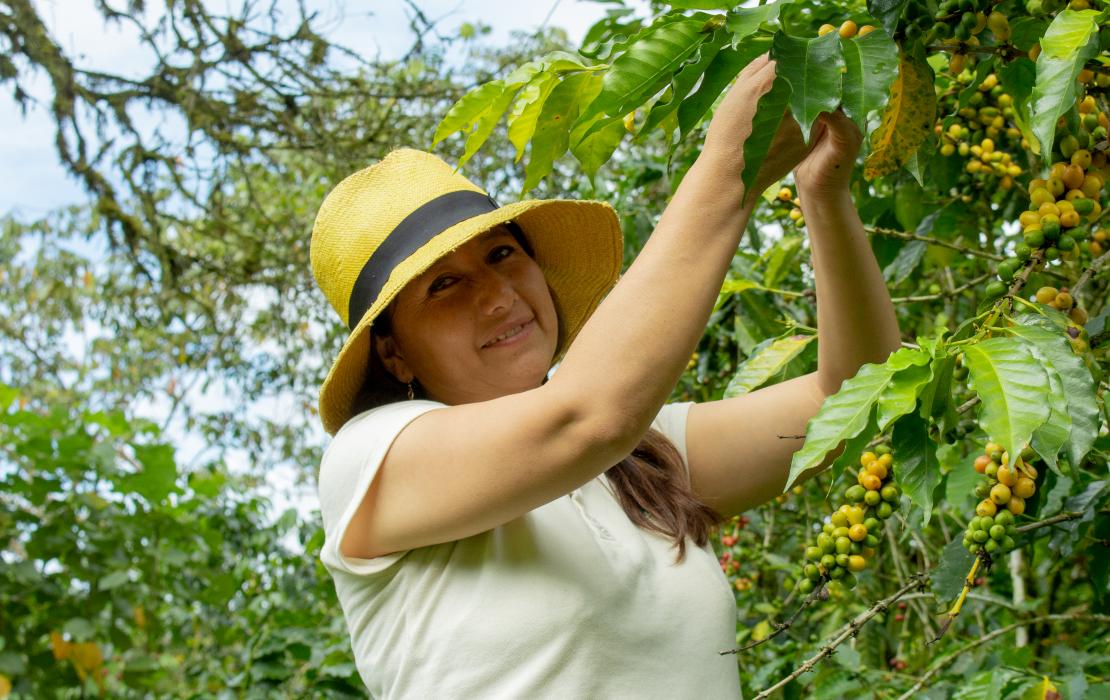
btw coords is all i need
(411, 394)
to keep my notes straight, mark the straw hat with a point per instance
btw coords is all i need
(386, 224)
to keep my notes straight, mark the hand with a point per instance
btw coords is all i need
(835, 143)
(731, 126)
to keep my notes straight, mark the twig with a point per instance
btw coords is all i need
(780, 627)
(846, 632)
(945, 295)
(1091, 269)
(942, 662)
(791, 437)
(906, 235)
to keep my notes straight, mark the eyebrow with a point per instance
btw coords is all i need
(497, 231)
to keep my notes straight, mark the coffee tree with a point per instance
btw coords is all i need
(983, 186)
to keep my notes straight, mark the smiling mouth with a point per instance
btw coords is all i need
(506, 335)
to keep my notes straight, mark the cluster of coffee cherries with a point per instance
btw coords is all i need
(788, 205)
(986, 137)
(851, 535)
(1071, 194)
(960, 23)
(1003, 495)
(847, 29)
(1061, 300)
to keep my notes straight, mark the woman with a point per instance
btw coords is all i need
(482, 543)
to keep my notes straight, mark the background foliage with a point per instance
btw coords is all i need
(182, 292)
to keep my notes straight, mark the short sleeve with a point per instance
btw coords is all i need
(346, 471)
(671, 421)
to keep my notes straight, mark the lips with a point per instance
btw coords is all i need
(508, 331)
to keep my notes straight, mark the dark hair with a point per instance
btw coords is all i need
(652, 484)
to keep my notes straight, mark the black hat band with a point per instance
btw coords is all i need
(416, 229)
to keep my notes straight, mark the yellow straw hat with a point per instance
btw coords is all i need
(386, 224)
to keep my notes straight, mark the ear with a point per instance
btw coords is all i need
(392, 359)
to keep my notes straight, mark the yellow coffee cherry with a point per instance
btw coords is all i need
(848, 29)
(825, 29)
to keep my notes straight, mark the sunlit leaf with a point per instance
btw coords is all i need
(841, 417)
(765, 363)
(906, 120)
(648, 65)
(1071, 40)
(1011, 386)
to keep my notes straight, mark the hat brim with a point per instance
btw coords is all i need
(577, 244)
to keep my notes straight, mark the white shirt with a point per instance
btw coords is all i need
(570, 600)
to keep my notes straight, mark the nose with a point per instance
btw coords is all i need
(495, 292)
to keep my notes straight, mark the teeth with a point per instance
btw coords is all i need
(503, 336)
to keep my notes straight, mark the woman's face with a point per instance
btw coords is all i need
(449, 324)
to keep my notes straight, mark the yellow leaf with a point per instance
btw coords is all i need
(1044, 690)
(5, 686)
(86, 658)
(140, 617)
(761, 631)
(59, 646)
(906, 120)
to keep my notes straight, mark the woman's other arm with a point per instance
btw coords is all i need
(740, 449)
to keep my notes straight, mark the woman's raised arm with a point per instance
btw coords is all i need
(470, 467)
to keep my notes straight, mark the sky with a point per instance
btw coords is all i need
(34, 182)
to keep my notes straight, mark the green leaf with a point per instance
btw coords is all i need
(813, 69)
(888, 12)
(155, 480)
(113, 580)
(918, 469)
(484, 127)
(765, 363)
(1011, 385)
(1078, 385)
(872, 63)
(907, 118)
(722, 69)
(553, 126)
(701, 4)
(1071, 40)
(947, 579)
(1018, 78)
(768, 115)
(909, 257)
(780, 259)
(744, 21)
(470, 108)
(738, 285)
(684, 81)
(647, 65)
(900, 396)
(594, 150)
(841, 417)
(959, 484)
(526, 110)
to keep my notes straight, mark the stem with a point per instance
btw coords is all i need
(781, 627)
(942, 662)
(969, 582)
(848, 631)
(1091, 269)
(1017, 580)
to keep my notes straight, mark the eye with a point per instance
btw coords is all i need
(501, 252)
(440, 283)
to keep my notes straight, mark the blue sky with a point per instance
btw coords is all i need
(35, 183)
